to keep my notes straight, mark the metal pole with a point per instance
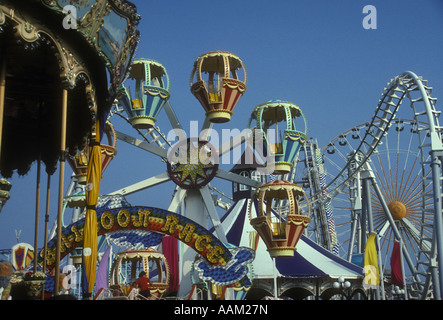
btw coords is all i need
(435, 165)
(367, 209)
(436, 153)
(2, 93)
(433, 271)
(60, 190)
(369, 206)
(363, 230)
(37, 212)
(370, 230)
(275, 278)
(403, 271)
(380, 270)
(353, 232)
(48, 188)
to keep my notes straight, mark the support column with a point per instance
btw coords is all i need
(2, 94)
(366, 190)
(438, 223)
(45, 238)
(195, 210)
(275, 278)
(37, 212)
(60, 190)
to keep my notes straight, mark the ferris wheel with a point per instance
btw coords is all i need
(192, 164)
(402, 200)
(383, 177)
(391, 170)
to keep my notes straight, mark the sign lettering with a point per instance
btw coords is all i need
(149, 219)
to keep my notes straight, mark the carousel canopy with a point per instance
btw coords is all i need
(42, 56)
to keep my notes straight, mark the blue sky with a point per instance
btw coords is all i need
(313, 53)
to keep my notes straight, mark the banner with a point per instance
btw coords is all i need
(90, 227)
(372, 274)
(170, 250)
(396, 269)
(102, 272)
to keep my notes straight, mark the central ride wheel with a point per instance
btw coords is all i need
(192, 163)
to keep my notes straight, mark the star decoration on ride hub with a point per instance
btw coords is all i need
(192, 163)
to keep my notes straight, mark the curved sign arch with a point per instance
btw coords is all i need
(147, 219)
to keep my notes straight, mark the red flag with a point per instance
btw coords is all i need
(170, 250)
(396, 272)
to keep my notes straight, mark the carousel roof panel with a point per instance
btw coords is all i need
(42, 57)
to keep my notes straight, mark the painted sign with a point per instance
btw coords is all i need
(149, 219)
(22, 255)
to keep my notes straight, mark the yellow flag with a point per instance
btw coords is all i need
(253, 240)
(372, 275)
(90, 227)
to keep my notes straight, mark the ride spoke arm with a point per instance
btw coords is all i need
(177, 199)
(234, 142)
(415, 233)
(222, 174)
(142, 145)
(206, 129)
(172, 116)
(210, 207)
(147, 183)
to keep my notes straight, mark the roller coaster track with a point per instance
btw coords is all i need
(425, 122)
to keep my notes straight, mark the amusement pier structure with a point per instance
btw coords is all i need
(359, 218)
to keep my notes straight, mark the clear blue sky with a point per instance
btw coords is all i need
(314, 53)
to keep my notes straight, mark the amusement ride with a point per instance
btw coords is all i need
(298, 218)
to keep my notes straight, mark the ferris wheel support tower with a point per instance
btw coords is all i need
(349, 154)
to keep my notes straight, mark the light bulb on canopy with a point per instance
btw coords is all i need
(218, 81)
(276, 120)
(279, 229)
(151, 93)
